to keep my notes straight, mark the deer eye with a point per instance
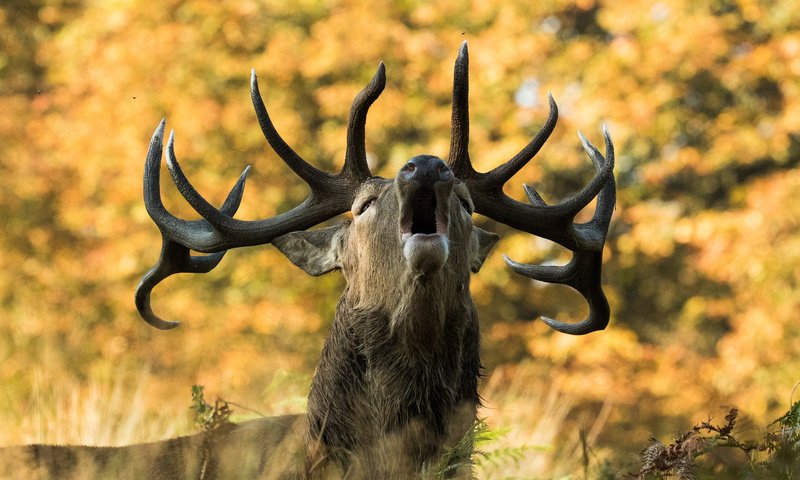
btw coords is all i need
(364, 206)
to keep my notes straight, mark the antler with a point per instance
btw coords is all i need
(553, 222)
(218, 231)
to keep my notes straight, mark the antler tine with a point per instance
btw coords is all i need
(217, 218)
(174, 258)
(607, 197)
(583, 274)
(195, 233)
(234, 199)
(592, 234)
(458, 159)
(503, 173)
(459, 134)
(356, 155)
(311, 175)
(152, 180)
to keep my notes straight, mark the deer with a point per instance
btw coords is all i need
(397, 381)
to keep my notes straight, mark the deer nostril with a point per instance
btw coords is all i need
(410, 167)
(426, 169)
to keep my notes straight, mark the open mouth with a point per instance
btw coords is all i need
(423, 215)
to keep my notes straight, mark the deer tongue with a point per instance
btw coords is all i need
(425, 253)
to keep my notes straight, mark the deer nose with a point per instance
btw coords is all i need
(426, 170)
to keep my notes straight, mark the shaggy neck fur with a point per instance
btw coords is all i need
(398, 380)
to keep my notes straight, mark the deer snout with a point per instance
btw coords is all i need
(426, 171)
(424, 186)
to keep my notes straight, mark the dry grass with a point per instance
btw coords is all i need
(537, 440)
(104, 411)
(527, 419)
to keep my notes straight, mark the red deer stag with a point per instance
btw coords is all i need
(397, 382)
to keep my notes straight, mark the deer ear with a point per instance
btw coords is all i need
(483, 242)
(315, 251)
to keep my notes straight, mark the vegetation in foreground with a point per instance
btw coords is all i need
(705, 452)
(700, 452)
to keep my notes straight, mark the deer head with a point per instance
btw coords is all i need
(416, 226)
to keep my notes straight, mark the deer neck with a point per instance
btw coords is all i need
(419, 311)
(404, 371)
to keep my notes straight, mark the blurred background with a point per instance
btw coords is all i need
(702, 264)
